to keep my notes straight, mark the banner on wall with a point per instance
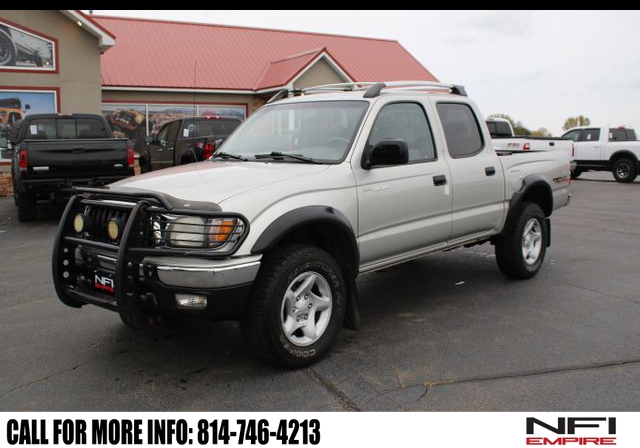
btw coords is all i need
(22, 50)
(17, 104)
(136, 121)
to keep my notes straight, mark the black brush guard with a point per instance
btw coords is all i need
(131, 299)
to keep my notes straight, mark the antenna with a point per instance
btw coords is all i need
(195, 74)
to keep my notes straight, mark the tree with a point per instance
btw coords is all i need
(542, 132)
(572, 122)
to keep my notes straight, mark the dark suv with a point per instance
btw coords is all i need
(186, 140)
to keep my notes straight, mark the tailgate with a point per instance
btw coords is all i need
(78, 158)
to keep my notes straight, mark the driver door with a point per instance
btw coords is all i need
(403, 208)
(161, 151)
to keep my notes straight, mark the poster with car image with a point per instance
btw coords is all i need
(136, 121)
(22, 50)
(17, 104)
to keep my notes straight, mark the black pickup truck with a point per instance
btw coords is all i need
(53, 153)
(186, 140)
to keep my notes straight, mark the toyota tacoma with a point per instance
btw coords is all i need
(315, 188)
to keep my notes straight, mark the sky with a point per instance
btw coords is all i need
(539, 67)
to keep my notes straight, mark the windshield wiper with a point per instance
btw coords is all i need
(227, 155)
(282, 155)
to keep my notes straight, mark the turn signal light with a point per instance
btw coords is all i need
(131, 157)
(22, 160)
(207, 151)
(221, 229)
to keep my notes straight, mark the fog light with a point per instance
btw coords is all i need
(78, 223)
(113, 229)
(191, 301)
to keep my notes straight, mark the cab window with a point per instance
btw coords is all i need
(461, 129)
(408, 122)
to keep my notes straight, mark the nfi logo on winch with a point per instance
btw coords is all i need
(568, 426)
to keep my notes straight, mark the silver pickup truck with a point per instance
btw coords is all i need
(307, 194)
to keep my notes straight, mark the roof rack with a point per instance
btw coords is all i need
(373, 89)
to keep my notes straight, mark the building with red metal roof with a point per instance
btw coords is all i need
(216, 57)
(141, 73)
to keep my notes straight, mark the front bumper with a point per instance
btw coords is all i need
(195, 273)
(137, 281)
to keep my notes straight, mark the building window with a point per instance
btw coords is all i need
(23, 50)
(137, 120)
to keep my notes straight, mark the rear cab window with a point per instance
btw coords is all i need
(211, 127)
(622, 135)
(499, 129)
(461, 129)
(65, 128)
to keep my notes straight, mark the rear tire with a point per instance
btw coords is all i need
(297, 306)
(521, 248)
(27, 207)
(624, 170)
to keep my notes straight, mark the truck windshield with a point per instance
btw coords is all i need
(319, 130)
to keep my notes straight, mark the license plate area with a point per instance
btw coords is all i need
(104, 282)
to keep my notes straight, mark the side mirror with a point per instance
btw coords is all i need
(27, 106)
(163, 142)
(3, 143)
(217, 143)
(148, 139)
(388, 151)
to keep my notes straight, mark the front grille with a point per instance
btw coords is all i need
(99, 217)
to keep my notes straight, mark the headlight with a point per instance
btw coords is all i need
(186, 232)
(78, 223)
(197, 232)
(114, 228)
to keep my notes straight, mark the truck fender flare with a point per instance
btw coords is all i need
(318, 214)
(622, 153)
(530, 183)
(299, 217)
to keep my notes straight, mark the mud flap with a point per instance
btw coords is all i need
(352, 320)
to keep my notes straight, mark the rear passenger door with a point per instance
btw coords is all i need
(589, 146)
(402, 208)
(477, 179)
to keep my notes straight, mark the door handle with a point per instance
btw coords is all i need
(490, 171)
(440, 179)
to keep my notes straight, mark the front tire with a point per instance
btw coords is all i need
(297, 306)
(576, 173)
(520, 250)
(624, 170)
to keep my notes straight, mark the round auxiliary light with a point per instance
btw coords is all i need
(78, 223)
(113, 229)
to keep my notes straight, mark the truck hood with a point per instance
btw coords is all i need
(216, 181)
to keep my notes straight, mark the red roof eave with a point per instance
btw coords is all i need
(95, 23)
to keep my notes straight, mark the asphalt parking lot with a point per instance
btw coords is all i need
(444, 333)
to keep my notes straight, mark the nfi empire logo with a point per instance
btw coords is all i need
(572, 431)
